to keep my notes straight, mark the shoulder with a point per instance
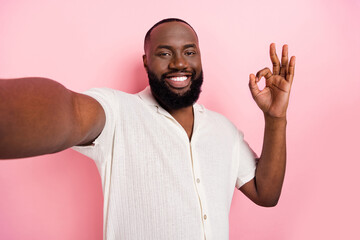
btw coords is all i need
(218, 124)
(110, 97)
(106, 93)
(217, 118)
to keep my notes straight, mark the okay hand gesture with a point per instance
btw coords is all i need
(274, 98)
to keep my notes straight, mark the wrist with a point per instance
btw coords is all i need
(275, 121)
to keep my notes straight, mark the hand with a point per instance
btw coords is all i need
(274, 98)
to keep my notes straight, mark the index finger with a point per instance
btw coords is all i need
(274, 59)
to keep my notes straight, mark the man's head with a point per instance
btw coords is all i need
(173, 63)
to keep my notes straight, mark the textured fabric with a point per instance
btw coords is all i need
(157, 185)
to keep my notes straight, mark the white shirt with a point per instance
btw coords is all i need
(157, 185)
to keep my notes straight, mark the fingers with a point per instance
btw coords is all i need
(284, 61)
(254, 88)
(264, 73)
(285, 69)
(274, 59)
(291, 72)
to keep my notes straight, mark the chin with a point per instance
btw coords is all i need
(175, 98)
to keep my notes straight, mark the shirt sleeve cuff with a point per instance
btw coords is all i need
(241, 181)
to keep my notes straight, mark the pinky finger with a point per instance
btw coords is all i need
(254, 88)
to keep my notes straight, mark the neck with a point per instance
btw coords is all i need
(183, 113)
(184, 116)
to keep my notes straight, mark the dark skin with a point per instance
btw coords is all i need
(40, 116)
(174, 47)
(273, 100)
(168, 50)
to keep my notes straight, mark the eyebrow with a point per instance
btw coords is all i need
(164, 46)
(190, 45)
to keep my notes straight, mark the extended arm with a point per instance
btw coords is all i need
(40, 116)
(273, 100)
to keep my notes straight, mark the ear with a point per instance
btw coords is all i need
(145, 62)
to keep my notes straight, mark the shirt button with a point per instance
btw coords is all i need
(205, 217)
(198, 180)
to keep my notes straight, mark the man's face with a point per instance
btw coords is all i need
(172, 60)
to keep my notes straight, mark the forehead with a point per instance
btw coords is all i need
(175, 34)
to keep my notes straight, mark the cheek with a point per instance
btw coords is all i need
(195, 61)
(158, 66)
(196, 65)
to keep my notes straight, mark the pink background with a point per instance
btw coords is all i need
(84, 44)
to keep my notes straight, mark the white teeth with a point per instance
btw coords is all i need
(179, 79)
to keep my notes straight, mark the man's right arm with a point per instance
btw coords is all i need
(40, 116)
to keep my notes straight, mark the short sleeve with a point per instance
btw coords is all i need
(100, 149)
(247, 162)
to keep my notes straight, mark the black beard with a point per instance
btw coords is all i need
(170, 100)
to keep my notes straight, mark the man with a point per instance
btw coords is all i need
(168, 165)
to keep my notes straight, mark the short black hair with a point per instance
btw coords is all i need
(147, 36)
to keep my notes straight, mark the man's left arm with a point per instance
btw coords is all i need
(273, 100)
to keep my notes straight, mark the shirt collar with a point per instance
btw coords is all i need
(147, 97)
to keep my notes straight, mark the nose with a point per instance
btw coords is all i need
(178, 62)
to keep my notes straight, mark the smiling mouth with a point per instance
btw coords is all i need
(178, 82)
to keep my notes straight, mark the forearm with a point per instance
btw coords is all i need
(34, 117)
(271, 166)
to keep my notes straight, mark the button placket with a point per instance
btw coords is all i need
(199, 188)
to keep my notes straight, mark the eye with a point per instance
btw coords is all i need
(164, 54)
(190, 53)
